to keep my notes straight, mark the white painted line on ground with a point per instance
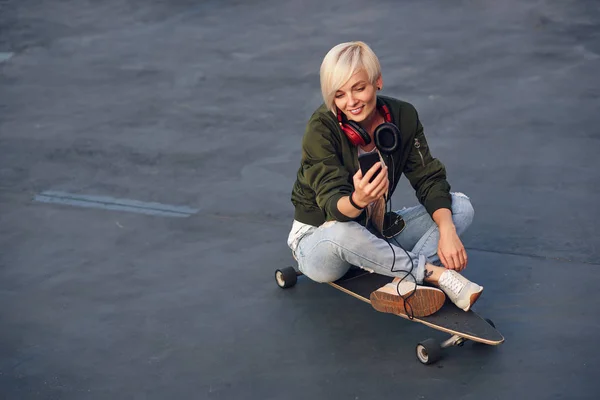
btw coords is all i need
(115, 204)
(5, 56)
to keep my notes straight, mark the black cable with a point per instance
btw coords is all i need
(410, 313)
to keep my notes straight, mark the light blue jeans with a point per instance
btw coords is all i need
(326, 253)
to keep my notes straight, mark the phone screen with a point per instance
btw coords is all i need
(366, 161)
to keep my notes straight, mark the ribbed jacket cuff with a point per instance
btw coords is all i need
(438, 202)
(333, 208)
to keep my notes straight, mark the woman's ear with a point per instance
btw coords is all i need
(379, 83)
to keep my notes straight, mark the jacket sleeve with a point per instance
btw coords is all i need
(426, 174)
(324, 170)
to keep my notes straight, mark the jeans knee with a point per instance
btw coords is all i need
(322, 275)
(322, 262)
(462, 211)
(322, 258)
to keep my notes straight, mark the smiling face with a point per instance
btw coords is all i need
(357, 98)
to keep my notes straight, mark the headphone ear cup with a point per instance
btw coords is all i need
(387, 138)
(363, 137)
(354, 137)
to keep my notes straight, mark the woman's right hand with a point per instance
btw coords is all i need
(366, 192)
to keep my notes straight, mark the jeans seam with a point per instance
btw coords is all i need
(425, 243)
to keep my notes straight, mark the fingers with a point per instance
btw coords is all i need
(382, 188)
(372, 190)
(463, 259)
(460, 257)
(448, 259)
(381, 176)
(452, 252)
(358, 175)
(456, 262)
(366, 191)
(451, 264)
(444, 260)
(380, 180)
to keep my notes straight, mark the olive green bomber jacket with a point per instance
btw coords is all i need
(329, 161)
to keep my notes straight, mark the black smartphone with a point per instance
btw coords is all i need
(366, 161)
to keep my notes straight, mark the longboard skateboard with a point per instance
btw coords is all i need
(450, 319)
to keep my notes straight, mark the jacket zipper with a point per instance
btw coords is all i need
(418, 147)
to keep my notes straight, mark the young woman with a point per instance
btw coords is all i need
(339, 212)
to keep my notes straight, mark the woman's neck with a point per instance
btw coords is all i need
(372, 122)
(369, 125)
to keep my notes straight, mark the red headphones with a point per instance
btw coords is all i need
(387, 135)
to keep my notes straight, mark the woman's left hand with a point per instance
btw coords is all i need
(451, 251)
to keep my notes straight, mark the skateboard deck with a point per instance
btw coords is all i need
(450, 319)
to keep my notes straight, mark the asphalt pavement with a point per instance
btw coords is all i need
(147, 155)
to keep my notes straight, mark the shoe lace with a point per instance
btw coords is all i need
(451, 282)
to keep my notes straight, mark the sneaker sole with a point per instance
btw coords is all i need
(424, 302)
(474, 298)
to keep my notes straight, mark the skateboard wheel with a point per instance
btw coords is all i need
(429, 351)
(286, 277)
(489, 321)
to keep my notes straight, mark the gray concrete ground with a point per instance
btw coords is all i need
(203, 104)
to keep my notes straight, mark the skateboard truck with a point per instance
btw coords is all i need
(454, 340)
(429, 351)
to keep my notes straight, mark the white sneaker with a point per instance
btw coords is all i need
(459, 289)
(396, 298)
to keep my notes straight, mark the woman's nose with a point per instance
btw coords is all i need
(351, 99)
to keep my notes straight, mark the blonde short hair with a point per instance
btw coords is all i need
(343, 61)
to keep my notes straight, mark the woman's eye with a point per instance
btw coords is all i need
(339, 96)
(360, 89)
